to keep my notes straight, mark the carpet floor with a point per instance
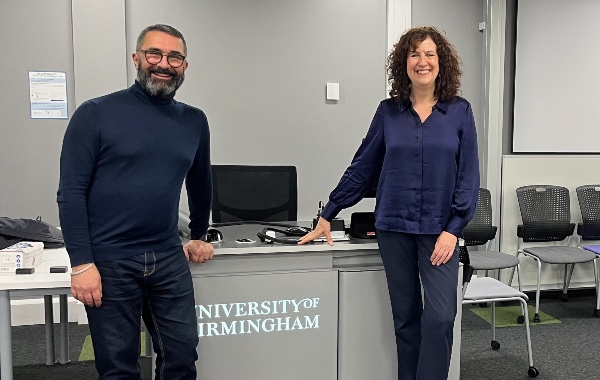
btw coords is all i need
(561, 351)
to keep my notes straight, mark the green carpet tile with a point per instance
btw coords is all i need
(87, 351)
(507, 315)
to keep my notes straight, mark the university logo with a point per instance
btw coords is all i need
(257, 317)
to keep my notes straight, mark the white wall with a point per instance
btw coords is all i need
(38, 39)
(259, 70)
(99, 52)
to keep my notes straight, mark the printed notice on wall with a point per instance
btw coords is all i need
(48, 94)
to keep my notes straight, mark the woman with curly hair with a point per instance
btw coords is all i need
(421, 151)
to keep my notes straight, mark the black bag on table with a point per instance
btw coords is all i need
(362, 225)
(15, 230)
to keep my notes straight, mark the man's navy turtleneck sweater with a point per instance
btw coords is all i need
(123, 162)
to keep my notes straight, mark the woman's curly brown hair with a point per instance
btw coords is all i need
(447, 82)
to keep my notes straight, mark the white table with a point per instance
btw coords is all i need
(41, 283)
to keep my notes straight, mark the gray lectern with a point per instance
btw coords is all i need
(273, 312)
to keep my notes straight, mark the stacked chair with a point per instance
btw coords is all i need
(487, 289)
(589, 229)
(545, 211)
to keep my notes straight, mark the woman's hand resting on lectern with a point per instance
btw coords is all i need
(322, 229)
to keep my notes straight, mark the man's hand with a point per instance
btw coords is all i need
(323, 228)
(444, 248)
(87, 287)
(198, 251)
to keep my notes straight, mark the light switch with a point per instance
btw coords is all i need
(333, 91)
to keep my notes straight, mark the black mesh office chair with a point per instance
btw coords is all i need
(589, 229)
(589, 204)
(491, 290)
(546, 214)
(254, 193)
(480, 231)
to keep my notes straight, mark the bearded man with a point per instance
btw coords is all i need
(124, 159)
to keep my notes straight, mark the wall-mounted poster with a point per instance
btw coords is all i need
(48, 94)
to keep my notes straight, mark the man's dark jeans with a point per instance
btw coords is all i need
(157, 286)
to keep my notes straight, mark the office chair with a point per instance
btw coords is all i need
(589, 229)
(589, 205)
(254, 193)
(546, 214)
(490, 290)
(480, 231)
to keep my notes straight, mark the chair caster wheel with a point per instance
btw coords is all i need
(564, 297)
(521, 319)
(597, 313)
(495, 345)
(533, 372)
(536, 317)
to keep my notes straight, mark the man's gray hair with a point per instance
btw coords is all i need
(161, 28)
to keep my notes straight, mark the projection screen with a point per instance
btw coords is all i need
(557, 77)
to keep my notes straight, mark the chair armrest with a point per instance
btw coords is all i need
(520, 230)
(589, 231)
(467, 274)
(537, 231)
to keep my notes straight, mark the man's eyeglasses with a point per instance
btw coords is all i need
(155, 56)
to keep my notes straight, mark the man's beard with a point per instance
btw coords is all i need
(158, 87)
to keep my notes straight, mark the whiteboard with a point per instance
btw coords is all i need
(557, 85)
